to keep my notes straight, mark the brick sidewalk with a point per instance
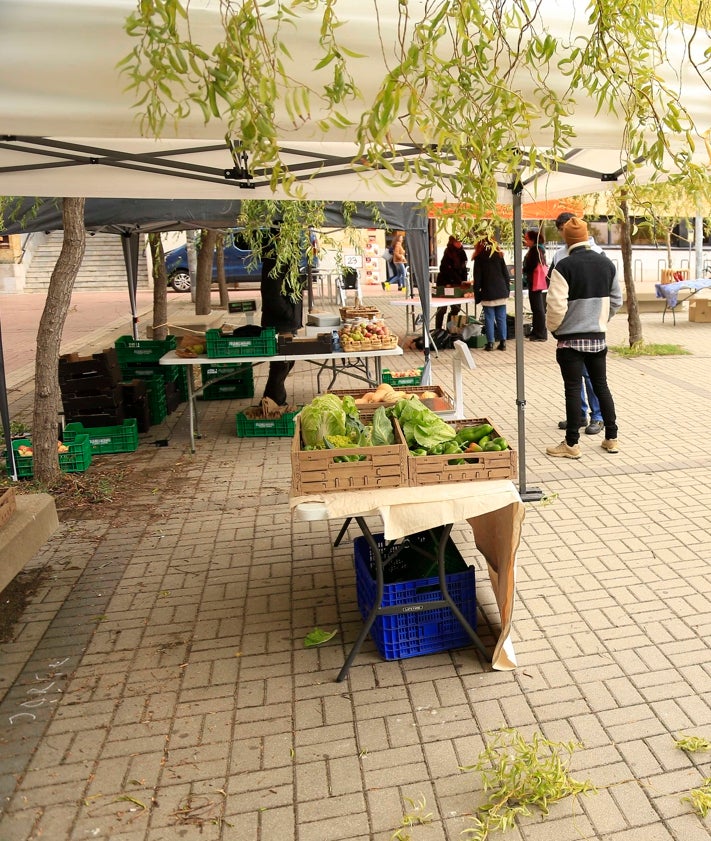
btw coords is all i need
(158, 688)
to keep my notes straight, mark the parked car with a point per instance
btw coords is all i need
(238, 265)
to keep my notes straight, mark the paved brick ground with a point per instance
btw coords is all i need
(157, 686)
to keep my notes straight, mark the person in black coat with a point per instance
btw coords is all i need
(492, 286)
(452, 272)
(281, 313)
(535, 256)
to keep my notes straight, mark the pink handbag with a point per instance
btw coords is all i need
(538, 282)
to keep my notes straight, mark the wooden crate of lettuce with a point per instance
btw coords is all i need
(440, 452)
(333, 449)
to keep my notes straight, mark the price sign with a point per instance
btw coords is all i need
(353, 261)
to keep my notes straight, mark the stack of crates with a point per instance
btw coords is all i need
(91, 388)
(166, 386)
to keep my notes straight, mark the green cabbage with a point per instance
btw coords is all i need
(420, 425)
(323, 416)
(382, 428)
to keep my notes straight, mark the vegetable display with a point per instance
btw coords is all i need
(333, 423)
(329, 422)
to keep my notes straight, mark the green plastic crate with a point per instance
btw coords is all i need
(243, 371)
(234, 388)
(242, 306)
(168, 373)
(389, 378)
(134, 351)
(77, 460)
(283, 427)
(106, 439)
(157, 403)
(219, 346)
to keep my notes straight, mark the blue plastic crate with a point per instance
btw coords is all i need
(420, 631)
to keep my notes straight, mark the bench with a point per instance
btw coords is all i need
(647, 300)
(31, 525)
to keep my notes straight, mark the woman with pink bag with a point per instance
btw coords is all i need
(534, 274)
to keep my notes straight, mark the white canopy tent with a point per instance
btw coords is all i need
(67, 126)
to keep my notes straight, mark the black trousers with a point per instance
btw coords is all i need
(537, 302)
(455, 309)
(571, 368)
(275, 388)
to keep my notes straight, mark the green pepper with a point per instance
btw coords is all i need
(491, 446)
(483, 441)
(438, 449)
(457, 461)
(418, 452)
(474, 433)
(451, 447)
(502, 442)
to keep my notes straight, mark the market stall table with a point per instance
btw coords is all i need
(354, 365)
(413, 304)
(494, 511)
(670, 293)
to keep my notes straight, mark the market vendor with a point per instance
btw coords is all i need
(280, 312)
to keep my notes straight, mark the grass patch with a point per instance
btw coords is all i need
(644, 349)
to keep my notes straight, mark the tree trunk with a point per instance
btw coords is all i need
(191, 245)
(160, 288)
(221, 277)
(667, 237)
(633, 321)
(49, 336)
(203, 281)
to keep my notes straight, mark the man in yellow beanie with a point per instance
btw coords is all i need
(583, 296)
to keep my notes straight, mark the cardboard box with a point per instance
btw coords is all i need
(317, 471)
(480, 466)
(700, 310)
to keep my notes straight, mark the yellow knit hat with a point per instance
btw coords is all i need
(575, 231)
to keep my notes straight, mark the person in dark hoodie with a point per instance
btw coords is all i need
(280, 312)
(583, 295)
(491, 289)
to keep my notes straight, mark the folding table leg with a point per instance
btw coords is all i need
(379, 589)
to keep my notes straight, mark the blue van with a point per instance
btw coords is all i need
(238, 265)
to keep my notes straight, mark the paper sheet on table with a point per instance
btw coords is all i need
(493, 509)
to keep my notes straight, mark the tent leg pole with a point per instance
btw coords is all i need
(527, 494)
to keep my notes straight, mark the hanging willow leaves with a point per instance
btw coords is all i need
(452, 89)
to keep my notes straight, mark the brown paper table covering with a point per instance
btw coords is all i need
(493, 509)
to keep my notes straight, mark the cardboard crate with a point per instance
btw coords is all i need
(437, 470)
(443, 403)
(418, 630)
(348, 313)
(315, 471)
(700, 310)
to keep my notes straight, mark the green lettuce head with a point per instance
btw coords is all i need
(323, 416)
